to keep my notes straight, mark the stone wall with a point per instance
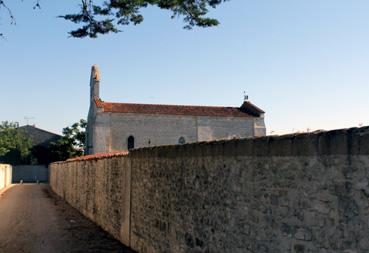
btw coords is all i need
(110, 131)
(5, 175)
(30, 174)
(99, 189)
(295, 193)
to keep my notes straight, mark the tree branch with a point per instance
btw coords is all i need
(106, 16)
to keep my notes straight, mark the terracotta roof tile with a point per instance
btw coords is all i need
(98, 156)
(246, 110)
(252, 109)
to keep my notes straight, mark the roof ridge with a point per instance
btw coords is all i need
(40, 129)
(170, 109)
(207, 106)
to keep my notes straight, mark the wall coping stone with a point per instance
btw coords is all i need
(351, 141)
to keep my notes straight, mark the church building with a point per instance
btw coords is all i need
(115, 127)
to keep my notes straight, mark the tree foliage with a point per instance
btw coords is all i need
(102, 17)
(15, 145)
(72, 143)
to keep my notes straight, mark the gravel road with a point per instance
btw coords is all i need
(35, 220)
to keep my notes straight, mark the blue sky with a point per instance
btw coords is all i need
(304, 62)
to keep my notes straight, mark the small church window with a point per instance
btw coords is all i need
(131, 142)
(181, 140)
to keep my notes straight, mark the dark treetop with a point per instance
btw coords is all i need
(102, 17)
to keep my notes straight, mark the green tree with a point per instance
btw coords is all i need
(102, 17)
(72, 143)
(15, 145)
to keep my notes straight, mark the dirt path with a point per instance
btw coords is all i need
(34, 220)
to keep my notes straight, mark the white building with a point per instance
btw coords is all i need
(122, 126)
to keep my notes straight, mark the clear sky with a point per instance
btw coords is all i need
(306, 63)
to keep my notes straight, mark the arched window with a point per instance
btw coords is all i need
(181, 140)
(131, 142)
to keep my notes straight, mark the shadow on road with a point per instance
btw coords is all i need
(33, 219)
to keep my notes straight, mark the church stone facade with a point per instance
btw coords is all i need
(122, 126)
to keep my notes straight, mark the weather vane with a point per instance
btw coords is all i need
(245, 96)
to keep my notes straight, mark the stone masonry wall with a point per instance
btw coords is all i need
(111, 130)
(99, 189)
(5, 175)
(30, 174)
(295, 193)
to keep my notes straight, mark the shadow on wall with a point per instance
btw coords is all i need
(294, 193)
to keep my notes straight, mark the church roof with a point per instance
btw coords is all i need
(246, 110)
